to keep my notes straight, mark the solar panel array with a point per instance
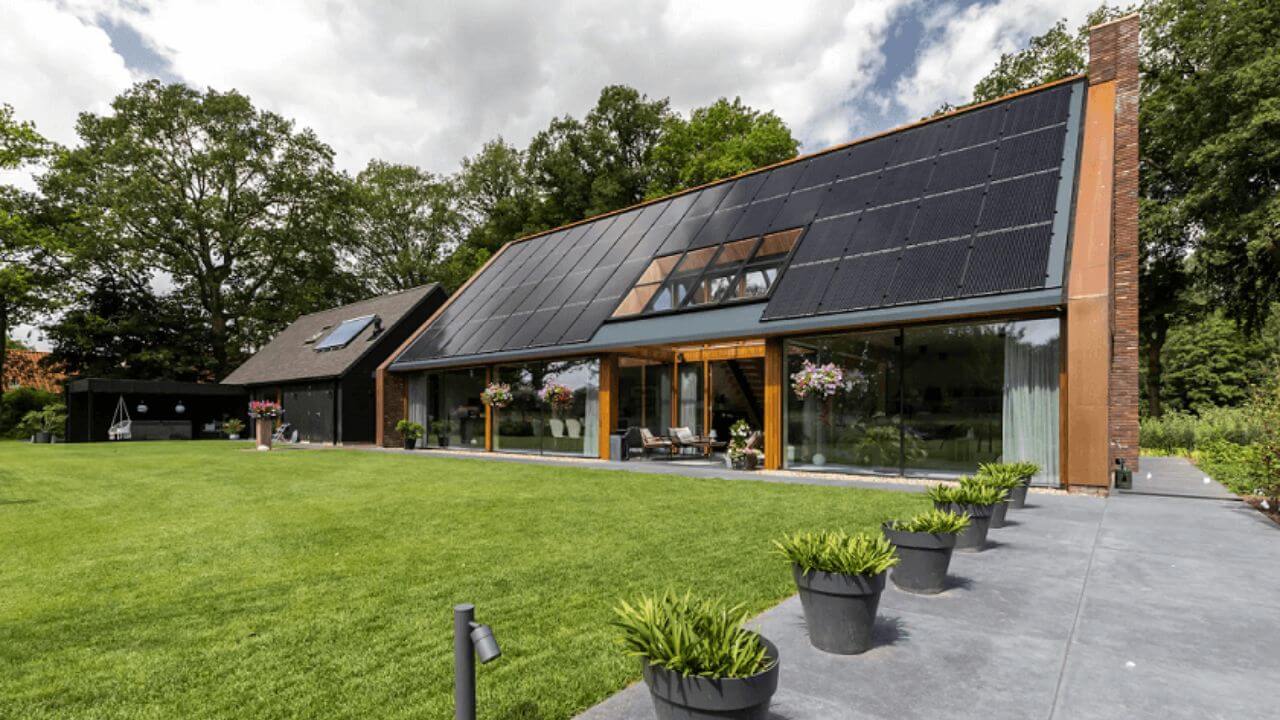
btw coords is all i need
(953, 208)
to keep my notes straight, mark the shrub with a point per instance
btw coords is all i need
(1026, 470)
(410, 430)
(233, 426)
(1005, 476)
(968, 492)
(14, 406)
(692, 636)
(836, 551)
(52, 418)
(938, 522)
(1184, 432)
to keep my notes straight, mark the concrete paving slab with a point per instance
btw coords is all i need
(1176, 477)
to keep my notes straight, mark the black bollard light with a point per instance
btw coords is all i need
(470, 640)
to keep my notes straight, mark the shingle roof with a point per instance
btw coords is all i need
(289, 357)
(965, 205)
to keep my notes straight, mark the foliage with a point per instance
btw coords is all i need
(405, 225)
(1266, 407)
(1239, 467)
(1210, 362)
(265, 409)
(441, 428)
(825, 381)
(738, 434)
(1002, 475)
(497, 395)
(717, 141)
(966, 493)
(692, 636)
(558, 395)
(836, 551)
(494, 196)
(16, 404)
(1026, 469)
(233, 426)
(51, 418)
(232, 203)
(937, 522)
(410, 430)
(1181, 432)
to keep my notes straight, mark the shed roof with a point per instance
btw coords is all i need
(292, 355)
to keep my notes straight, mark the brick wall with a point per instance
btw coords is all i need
(393, 409)
(1113, 56)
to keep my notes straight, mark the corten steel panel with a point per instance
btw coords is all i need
(775, 368)
(608, 401)
(1088, 299)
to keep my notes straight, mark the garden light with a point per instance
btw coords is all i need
(470, 640)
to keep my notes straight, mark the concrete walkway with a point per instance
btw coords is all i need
(1135, 606)
(1176, 477)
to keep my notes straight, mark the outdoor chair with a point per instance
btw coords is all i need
(557, 428)
(650, 442)
(574, 428)
(683, 437)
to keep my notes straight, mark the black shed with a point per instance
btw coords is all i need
(321, 367)
(157, 409)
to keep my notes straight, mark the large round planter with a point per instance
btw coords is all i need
(43, 438)
(410, 443)
(442, 441)
(998, 512)
(676, 697)
(262, 432)
(923, 559)
(819, 459)
(1018, 496)
(974, 537)
(840, 610)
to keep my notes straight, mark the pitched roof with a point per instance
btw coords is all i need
(965, 205)
(25, 368)
(290, 357)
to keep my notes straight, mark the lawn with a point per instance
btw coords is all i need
(200, 580)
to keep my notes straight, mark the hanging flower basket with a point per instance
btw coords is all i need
(558, 396)
(496, 395)
(265, 409)
(825, 381)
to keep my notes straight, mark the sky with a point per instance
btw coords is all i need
(428, 83)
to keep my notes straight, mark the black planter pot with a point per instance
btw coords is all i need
(923, 560)
(1018, 496)
(998, 512)
(43, 438)
(443, 440)
(974, 537)
(698, 698)
(840, 610)
(409, 443)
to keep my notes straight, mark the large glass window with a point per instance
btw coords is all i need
(929, 400)
(691, 397)
(554, 409)
(644, 395)
(447, 403)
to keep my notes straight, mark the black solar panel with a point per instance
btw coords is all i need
(956, 207)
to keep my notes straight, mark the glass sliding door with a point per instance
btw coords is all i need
(447, 403)
(857, 428)
(555, 408)
(644, 395)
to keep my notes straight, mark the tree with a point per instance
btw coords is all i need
(1211, 363)
(494, 196)
(717, 141)
(232, 204)
(405, 222)
(28, 251)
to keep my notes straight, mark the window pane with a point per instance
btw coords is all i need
(518, 426)
(658, 270)
(635, 300)
(777, 245)
(453, 406)
(573, 427)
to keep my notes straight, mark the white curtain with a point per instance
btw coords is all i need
(691, 398)
(591, 421)
(419, 403)
(1031, 359)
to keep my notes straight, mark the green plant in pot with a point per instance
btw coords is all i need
(233, 428)
(441, 429)
(1025, 471)
(924, 544)
(411, 432)
(46, 423)
(739, 456)
(1001, 477)
(977, 501)
(697, 658)
(840, 578)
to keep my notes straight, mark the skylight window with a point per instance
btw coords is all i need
(344, 333)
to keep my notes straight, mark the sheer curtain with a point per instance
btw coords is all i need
(1031, 359)
(591, 421)
(418, 404)
(691, 398)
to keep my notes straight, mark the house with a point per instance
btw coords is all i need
(29, 368)
(320, 368)
(971, 279)
(150, 409)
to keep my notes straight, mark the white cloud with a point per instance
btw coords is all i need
(963, 44)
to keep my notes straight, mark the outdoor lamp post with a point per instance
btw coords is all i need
(470, 640)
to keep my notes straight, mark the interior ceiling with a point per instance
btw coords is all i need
(958, 207)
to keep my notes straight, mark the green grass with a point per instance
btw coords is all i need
(198, 580)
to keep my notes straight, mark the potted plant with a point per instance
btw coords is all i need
(1002, 477)
(1025, 471)
(738, 456)
(496, 395)
(697, 659)
(411, 432)
(441, 428)
(558, 396)
(840, 578)
(43, 425)
(233, 428)
(264, 414)
(975, 500)
(924, 545)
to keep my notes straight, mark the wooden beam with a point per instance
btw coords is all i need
(775, 368)
(608, 401)
(489, 414)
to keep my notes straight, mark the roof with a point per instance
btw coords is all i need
(967, 205)
(26, 368)
(289, 357)
(115, 386)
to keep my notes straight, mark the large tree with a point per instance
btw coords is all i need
(232, 205)
(722, 139)
(495, 197)
(405, 226)
(28, 250)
